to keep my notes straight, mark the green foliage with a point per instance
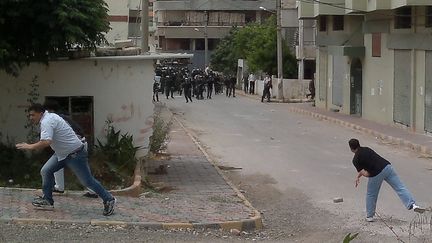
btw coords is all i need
(257, 44)
(36, 31)
(33, 96)
(348, 238)
(160, 133)
(224, 59)
(114, 160)
(21, 168)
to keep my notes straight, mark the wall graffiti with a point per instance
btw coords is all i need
(126, 113)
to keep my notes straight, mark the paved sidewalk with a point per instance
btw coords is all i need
(200, 197)
(418, 142)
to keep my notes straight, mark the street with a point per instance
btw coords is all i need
(289, 166)
(291, 152)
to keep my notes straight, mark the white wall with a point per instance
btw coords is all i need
(292, 88)
(121, 90)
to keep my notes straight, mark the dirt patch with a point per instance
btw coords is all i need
(289, 216)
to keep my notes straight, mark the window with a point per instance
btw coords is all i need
(403, 18)
(428, 22)
(323, 23)
(338, 22)
(80, 109)
(376, 44)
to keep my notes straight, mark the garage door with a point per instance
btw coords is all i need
(339, 73)
(402, 87)
(428, 92)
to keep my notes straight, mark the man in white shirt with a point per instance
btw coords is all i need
(69, 150)
(251, 80)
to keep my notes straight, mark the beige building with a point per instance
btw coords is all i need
(184, 26)
(91, 90)
(374, 59)
(125, 22)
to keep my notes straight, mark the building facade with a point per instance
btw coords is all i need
(184, 26)
(374, 59)
(125, 22)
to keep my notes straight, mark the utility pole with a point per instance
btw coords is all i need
(279, 50)
(301, 57)
(205, 40)
(144, 26)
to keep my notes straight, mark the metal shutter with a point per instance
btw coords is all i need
(322, 78)
(428, 92)
(402, 87)
(339, 72)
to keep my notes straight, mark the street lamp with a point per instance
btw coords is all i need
(205, 39)
(278, 48)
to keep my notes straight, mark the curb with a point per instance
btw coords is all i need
(253, 223)
(384, 137)
(135, 189)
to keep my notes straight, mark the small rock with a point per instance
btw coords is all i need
(235, 231)
(337, 199)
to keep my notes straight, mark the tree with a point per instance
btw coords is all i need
(257, 44)
(37, 31)
(224, 59)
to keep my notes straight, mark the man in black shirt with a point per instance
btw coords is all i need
(377, 169)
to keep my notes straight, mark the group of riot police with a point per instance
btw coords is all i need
(169, 79)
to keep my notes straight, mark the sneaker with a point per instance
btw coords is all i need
(42, 203)
(370, 219)
(109, 207)
(58, 191)
(90, 195)
(418, 209)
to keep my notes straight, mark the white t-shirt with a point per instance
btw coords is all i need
(64, 140)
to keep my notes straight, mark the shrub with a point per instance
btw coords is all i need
(160, 134)
(114, 161)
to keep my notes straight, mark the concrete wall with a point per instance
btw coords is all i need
(292, 88)
(121, 90)
(119, 30)
(378, 72)
(378, 79)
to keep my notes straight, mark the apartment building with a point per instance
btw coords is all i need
(184, 25)
(125, 21)
(374, 59)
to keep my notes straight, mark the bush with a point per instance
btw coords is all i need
(114, 161)
(160, 134)
(18, 168)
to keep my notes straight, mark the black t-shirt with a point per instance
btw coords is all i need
(367, 159)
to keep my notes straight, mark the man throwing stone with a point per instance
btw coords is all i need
(70, 152)
(377, 169)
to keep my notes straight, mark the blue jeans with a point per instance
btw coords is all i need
(374, 184)
(78, 163)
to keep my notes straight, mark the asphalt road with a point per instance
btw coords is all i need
(302, 153)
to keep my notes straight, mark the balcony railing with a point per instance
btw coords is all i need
(182, 23)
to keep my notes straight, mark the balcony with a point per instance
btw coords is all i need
(230, 5)
(355, 6)
(374, 5)
(309, 52)
(332, 7)
(192, 32)
(403, 3)
(305, 10)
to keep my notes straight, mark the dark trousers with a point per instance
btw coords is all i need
(266, 93)
(209, 91)
(188, 95)
(252, 87)
(156, 95)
